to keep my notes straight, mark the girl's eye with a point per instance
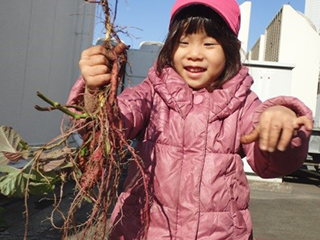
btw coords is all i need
(183, 43)
(210, 44)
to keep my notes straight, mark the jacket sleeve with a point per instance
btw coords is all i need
(134, 104)
(77, 92)
(276, 164)
(75, 98)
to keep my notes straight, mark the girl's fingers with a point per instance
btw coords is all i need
(95, 60)
(287, 133)
(96, 76)
(276, 128)
(98, 70)
(95, 66)
(99, 80)
(272, 138)
(264, 135)
(89, 72)
(95, 50)
(303, 121)
(251, 137)
(289, 130)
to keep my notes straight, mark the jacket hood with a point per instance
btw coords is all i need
(179, 96)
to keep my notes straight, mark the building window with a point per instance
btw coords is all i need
(273, 34)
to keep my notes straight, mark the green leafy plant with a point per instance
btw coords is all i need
(16, 182)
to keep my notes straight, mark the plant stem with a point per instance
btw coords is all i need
(65, 110)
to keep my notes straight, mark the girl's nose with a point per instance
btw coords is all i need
(195, 53)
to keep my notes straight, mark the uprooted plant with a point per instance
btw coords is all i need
(95, 167)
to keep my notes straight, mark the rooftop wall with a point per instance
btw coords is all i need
(300, 45)
(290, 38)
(40, 46)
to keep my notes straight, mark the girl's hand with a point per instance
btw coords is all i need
(95, 66)
(276, 127)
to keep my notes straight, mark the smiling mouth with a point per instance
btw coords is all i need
(195, 69)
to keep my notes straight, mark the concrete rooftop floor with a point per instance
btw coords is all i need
(280, 211)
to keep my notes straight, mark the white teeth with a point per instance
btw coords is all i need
(195, 70)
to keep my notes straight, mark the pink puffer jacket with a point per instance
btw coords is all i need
(190, 142)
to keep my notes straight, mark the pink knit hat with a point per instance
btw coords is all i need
(228, 9)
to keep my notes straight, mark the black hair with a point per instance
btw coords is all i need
(200, 18)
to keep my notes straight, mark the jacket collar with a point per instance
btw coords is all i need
(179, 96)
(231, 95)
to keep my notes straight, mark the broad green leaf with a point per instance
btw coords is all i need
(13, 184)
(40, 188)
(3, 159)
(11, 142)
(67, 165)
(35, 176)
(41, 183)
(23, 145)
(9, 169)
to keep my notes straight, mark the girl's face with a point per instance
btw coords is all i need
(199, 59)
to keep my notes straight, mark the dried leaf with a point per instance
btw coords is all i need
(11, 142)
(15, 157)
(54, 159)
(53, 164)
(62, 153)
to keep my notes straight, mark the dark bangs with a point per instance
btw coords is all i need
(201, 19)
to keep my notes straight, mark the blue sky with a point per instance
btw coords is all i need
(147, 20)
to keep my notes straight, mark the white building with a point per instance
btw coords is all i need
(243, 36)
(312, 11)
(40, 46)
(292, 39)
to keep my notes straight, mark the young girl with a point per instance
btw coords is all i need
(195, 118)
